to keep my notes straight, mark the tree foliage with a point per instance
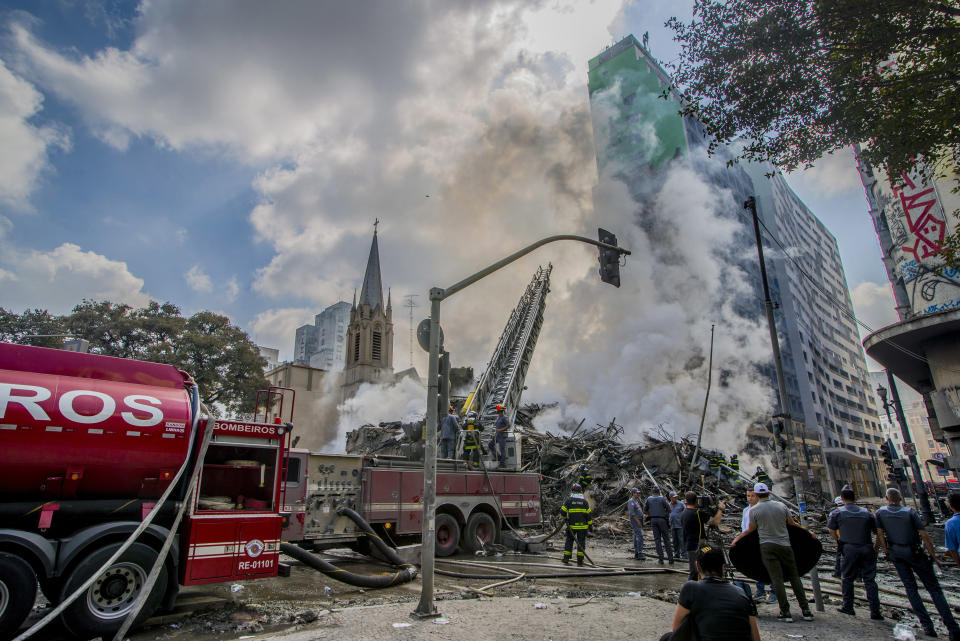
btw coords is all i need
(222, 359)
(33, 327)
(796, 79)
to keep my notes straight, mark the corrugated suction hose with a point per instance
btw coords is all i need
(406, 572)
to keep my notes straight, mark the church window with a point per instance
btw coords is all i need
(377, 341)
(356, 346)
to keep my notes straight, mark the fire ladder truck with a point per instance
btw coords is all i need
(502, 381)
(328, 492)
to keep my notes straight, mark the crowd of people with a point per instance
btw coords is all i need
(711, 608)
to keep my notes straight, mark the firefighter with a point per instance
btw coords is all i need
(761, 477)
(576, 513)
(714, 460)
(471, 440)
(584, 477)
(735, 466)
(449, 429)
(500, 435)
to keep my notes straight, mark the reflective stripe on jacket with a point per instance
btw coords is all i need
(576, 511)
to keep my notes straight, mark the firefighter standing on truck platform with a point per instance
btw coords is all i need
(576, 512)
(471, 440)
(500, 436)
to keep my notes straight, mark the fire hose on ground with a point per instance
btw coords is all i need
(406, 572)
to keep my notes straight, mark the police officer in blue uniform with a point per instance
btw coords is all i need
(658, 510)
(854, 526)
(903, 537)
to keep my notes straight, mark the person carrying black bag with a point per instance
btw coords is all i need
(712, 609)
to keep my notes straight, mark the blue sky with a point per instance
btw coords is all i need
(232, 156)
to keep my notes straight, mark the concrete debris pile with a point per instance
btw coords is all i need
(609, 469)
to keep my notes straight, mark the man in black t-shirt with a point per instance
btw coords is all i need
(715, 609)
(695, 522)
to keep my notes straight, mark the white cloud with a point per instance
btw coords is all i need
(59, 279)
(198, 280)
(832, 175)
(481, 107)
(232, 289)
(25, 146)
(276, 327)
(874, 305)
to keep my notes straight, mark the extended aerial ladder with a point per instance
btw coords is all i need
(502, 381)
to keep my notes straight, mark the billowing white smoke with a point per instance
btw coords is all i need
(402, 401)
(639, 353)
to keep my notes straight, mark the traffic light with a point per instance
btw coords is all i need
(609, 259)
(886, 453)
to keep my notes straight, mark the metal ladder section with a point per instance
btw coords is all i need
(502, 382)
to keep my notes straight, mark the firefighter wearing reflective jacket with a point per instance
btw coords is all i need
(471, 440)
(576, 512)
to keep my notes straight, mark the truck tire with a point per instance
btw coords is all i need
(480, 526)
(103, 608)
(448, 535)
(18, 591)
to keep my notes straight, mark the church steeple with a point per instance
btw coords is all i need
(369, 348)
(371, 293)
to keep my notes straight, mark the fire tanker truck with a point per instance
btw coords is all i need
(89, 445)
(115, 490)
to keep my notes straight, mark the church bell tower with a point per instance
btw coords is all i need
(369, 357)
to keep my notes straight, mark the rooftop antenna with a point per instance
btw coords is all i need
(410, 303)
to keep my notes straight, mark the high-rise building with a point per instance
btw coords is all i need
(331, 326)
(639, 134)
(369, 343)
(828, 384)
(304, 344)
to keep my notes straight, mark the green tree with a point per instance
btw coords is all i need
(222, 359)
(33, 327)
(797, 79)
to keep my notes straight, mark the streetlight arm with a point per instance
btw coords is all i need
(470, 280)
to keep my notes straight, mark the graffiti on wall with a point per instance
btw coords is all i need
(918, 225)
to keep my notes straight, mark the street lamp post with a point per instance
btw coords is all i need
(921, 491)
(426, 608)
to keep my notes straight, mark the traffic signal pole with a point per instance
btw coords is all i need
(786, 457)
(925, 511)
(426, 607)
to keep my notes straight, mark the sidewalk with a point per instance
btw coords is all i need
(520, 619)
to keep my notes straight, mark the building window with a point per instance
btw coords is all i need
(356, 346)
(376, 346)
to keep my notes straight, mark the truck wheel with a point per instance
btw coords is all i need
(448, 535)
(107, 602)
(480, 526)
(18, 591)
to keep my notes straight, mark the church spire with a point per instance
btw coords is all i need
(372, 291)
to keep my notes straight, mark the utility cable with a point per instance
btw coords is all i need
(829, 296)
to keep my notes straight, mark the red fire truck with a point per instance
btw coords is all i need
(473, 506)
(88, 444)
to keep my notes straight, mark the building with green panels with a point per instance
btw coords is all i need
(634, 124)
(640, 136)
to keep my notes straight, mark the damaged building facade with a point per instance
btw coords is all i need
(912, 216)
(639, 135)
